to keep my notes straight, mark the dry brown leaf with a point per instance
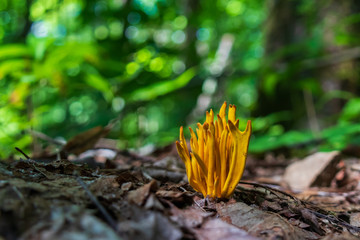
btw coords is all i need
(341, 236)
(70, 223)
(107, 187)
(139, 195)
(218, 229)
(355, 219)
(190, 218)
(151, 226)
(262, 224)
(311, 219)
(85, 140)
(315, 170)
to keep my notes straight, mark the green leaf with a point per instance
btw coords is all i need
(162, 88)
(351, 110)
(12, 66)
(266, 142)
(98, 82)
(14, 51)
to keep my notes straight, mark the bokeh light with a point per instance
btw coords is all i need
(178, 37)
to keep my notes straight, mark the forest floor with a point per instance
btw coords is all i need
(98, 192)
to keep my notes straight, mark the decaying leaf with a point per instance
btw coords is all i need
(261, 224)
(152, 226)
(85, 140)
(218, 229)
(139, 195)
(79, 224)
(315, 170)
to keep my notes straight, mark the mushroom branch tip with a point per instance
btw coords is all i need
(218, 153)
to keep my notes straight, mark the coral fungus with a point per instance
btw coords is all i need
(218, 153)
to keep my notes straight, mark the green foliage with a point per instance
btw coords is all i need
(161, 88)
(66, 66)
(351, 111)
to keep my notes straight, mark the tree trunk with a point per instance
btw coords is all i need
(339, 35)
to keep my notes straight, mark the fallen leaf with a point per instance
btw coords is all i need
(190, 218)
(165, 175)
(271, 205)
(130, 176)
(107, 187)
(340, 236)
(151, 226)
(70, 223)
(355, 219)
(169, 194)
(139, 195)
(218, 229)
(261, 224)
(153, 203)
(315, 170)
(85, 140)
(311, 219)
(126, 186)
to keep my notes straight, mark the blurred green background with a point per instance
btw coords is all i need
(290, 66)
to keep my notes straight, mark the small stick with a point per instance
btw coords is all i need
(37, 169)
(319, 215)
(335, 220)
(46, 138)
(101, 208)
(271, 189)
(19, 150)
(14, 188)
(199, 206)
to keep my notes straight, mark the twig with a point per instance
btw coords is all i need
(101, 208)
(333, 58)
(335, 220)
(37, 169)
(19, 150)
(202, 209)
(46, 138)
(320, 215)
(271, 189)
(14, 188)
(311, 113)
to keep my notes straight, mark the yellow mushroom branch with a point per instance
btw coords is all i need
(218, 153)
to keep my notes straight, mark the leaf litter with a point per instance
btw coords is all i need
(130, 196)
